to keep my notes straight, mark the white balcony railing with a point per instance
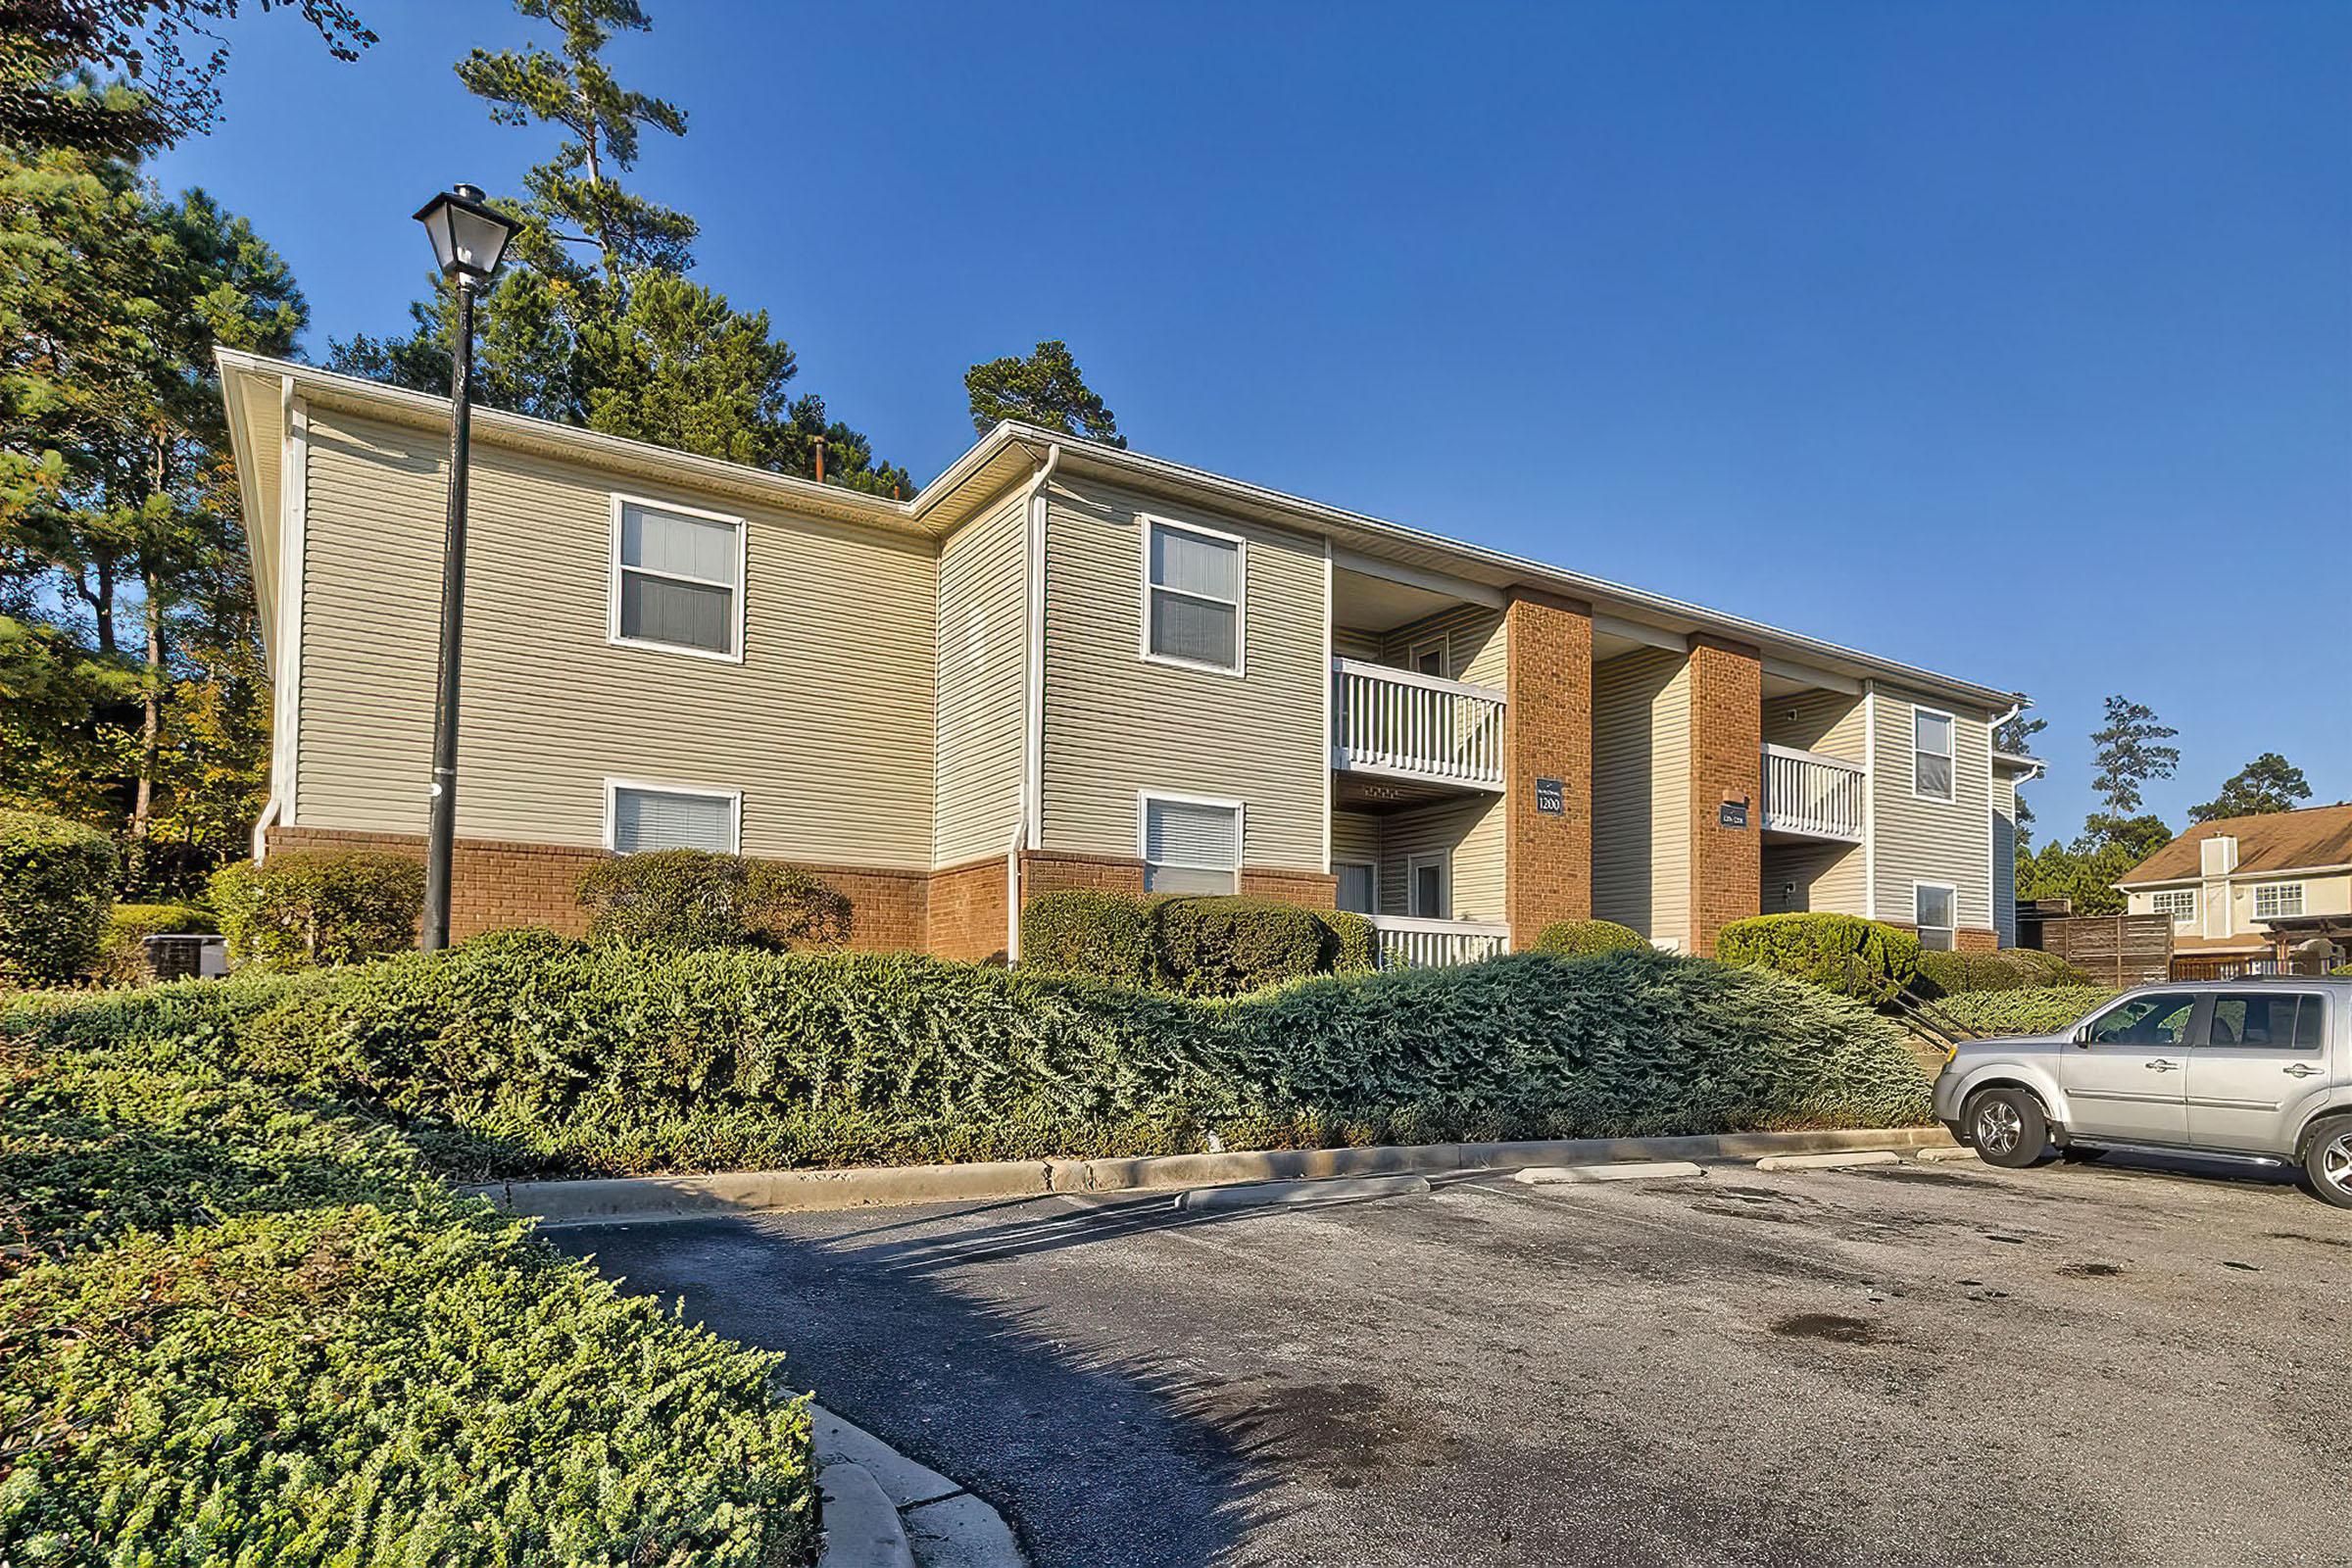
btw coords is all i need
(1811, 796)
(1403, 942)
(1408, 725)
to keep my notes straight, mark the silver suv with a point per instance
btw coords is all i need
(2257, 1070)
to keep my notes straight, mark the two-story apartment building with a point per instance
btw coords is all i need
(1066, 664)
(2276, 887)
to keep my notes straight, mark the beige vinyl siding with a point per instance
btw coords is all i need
(1830, 723)
(1355, 836)
(1932, 841)
(1117, 723)
(1815, 877)
(2004, 856)
(1474, 644)
(1642, 793)
(983, 683)
(1347, 642)
(826, 726)
(1469, 832)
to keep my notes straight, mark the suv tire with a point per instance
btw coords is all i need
(2328, 1161)
(2007, 1127)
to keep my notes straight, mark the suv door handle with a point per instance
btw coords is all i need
(2301, 1069)
(2158, 1066)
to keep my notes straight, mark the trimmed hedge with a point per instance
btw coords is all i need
(57, 881)
(530, 1054)
(1580, 937)
(304, 907)
(2023, 1011)
(1198, 944)
(253, 1328)
(1842, 954)
(2009, 970)
(123, 959)
(680, 898)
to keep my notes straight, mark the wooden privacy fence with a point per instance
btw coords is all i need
(2114, 950)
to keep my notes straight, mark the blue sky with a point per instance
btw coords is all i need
(2014, 340)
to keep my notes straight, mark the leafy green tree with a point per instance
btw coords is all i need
(1044, 389)
(2270, 783)
(593, 321)
(2131, 753)
(119, 532)
(51, 50)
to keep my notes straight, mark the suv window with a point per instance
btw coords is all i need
(2265, 1020)
(2160, 1020)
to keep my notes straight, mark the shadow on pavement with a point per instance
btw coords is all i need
(1097, 1455)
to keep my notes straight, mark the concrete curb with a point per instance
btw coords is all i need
(1940, 1157)
(1637, 1170)
(1327, 1189)
(1838, 1161)
(639, 1199)
(884, 1510)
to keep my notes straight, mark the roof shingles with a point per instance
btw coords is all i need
(2280, 841)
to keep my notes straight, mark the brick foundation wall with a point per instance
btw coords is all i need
(1974, 939)
(1311, 889)
(1043, 872)
(1727, 738)
(967, 908)
(1548, 733)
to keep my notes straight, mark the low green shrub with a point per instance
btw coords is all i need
(1082, 931)
(250, 1326)
(1201, 945)
(1580, 937)
(2043, 1012)
(681, 898)
(305, 908)
(1229, 947)
(530, 1054)
(1842, 954)
(122, 961)
(57, 881)
(2009, 970)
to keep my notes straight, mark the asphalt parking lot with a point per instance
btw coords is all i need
(2112, 1364)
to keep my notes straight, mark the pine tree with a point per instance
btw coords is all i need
(2270, 783)
(1044, 389)
(2131, 754)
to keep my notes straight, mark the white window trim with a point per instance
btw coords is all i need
(1371, 866)
(2254, 900)
(1241, 605)
(1442, 642)
(1950, 890)
(1952, 757)
(613, 570)
(1142, 828)
(1443, 862)
(2186, 915)
(733, 798)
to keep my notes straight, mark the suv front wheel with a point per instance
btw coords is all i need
(2007, 1127)
(2328, 1161)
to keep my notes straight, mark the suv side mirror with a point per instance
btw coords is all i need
(2082, 1034)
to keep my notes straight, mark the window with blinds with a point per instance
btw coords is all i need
(1934, 911)
(1190, 846)
(671, 819)
(677, 579)
(1931, 754)
(1193, 596)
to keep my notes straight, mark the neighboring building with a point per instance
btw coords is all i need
(1064, 664)
(2254, 886)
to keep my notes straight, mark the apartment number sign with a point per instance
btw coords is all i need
(1552, 797)
(1733, 813)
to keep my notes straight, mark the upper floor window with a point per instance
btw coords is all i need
(657, 817)
(2178, 902)
(2275, 900)
(1193, 592)
(1931, 754)
(1190, 845)
(677, 579)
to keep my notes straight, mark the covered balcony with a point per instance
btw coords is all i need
(1415, 728)
(1811, 796)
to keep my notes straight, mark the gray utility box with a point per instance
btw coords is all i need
(185, 957)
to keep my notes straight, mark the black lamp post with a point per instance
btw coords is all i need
(469, 239)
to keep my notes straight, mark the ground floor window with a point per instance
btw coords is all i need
(1931, 910)
(1190, 845)
(658, 816)
(1428, 886)
(1358, 886)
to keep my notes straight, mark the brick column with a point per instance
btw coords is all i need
(1548, 734)
(1727, 768)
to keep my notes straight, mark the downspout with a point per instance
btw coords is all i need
(1030, 829)
(1992, 836)
(1870, 800)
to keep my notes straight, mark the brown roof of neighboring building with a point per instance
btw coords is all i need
(2282, 841)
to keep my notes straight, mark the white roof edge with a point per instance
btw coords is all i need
(2238, 874)
(912, 511)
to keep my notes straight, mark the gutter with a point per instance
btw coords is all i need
(1033, 746)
